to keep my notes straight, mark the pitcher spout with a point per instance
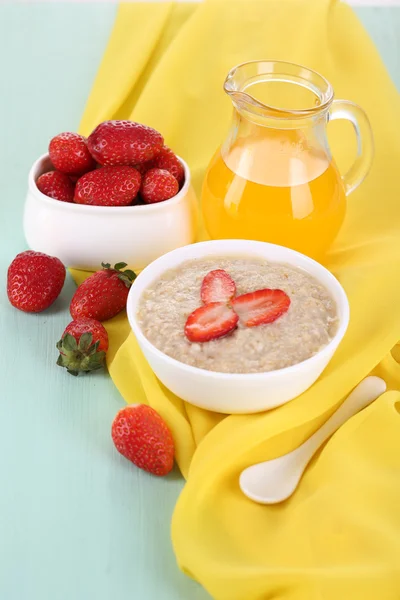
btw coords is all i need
(278, 89)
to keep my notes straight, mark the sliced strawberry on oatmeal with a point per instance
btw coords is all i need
(217, 286)
(261, 307)
(210, 322)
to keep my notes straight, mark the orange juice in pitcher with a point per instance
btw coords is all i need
(273, 179)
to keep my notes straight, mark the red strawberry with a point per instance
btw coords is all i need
(217, 286)
(158, 185)
(83, 346)
(210, 322)
(83, 325)
(167, 160)
(140, 434)
(108, 186)
(144, 167)
(124, 143)
(261, 307)
(102, 295)
(69, 153)
(56, 185)
(34, 281)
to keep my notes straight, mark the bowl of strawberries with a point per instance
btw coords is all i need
(121, 192)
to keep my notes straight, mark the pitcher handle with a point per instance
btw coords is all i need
(344, 109)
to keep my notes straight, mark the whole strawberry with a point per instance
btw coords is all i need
(56, 185)
(108, 186)
(144, 167)
(158, 185)
(34, 281)
(167, 160)
(69, 153)
(140, 434)
(102, 295)
(124, 143)
(83, 346)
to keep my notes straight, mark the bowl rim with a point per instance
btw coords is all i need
(93, 209)
(292, 370)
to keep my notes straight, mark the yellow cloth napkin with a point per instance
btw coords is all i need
(338, 537)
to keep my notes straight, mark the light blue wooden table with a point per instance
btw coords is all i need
(77, 522)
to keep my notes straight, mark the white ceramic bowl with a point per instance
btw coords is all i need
(237, 393)
(85, 236)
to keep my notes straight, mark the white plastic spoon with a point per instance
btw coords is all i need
(275, 480)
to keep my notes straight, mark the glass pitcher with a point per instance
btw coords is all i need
(274, 179)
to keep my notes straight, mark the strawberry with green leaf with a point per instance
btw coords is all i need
(103, 295)
(83, 346)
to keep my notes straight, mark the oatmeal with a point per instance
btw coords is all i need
(307, 326)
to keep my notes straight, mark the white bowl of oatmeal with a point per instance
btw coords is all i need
(252, 368)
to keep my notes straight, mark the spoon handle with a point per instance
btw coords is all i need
(366, 392)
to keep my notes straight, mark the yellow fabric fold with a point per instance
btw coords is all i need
(338, 537)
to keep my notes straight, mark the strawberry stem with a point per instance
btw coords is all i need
(127, 277)
(81, 357)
